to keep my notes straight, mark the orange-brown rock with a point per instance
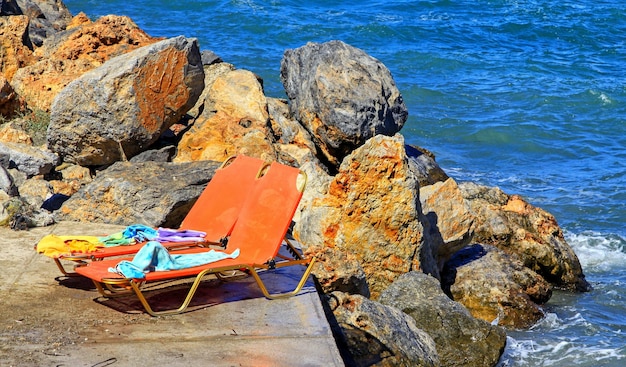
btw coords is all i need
(78, 20)
(73, 178)
(294, 145)
(10, 103)
(68, 55)
(12, 134)
(234, 121)
(338, 271)
(35, 191)
(15, 51)
(119, 109)
(449, 217)
(496, 287)
(99, 41)
(372, 210)
(63, 188)
(515, 226)
(211, 73)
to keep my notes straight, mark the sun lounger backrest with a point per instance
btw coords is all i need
(217, 208)
(266, 216)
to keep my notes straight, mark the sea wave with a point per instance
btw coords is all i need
(598, 252)
(552, 322)
(559, 352)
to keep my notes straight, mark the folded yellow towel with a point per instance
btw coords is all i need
(56, 246)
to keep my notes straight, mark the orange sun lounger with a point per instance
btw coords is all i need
(214, 212)
(258, 234)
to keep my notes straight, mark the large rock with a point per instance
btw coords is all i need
(116, 111)
(67, 55)
(340, 271)
(496, 287)
(72, 178)
(46, 18)
(19, 215)
(424, 166)
(9, 101)
(12, 132)
(234, 121)
(341, 95)
(372, 210)
(449, 217)
(294, 144)
(286, 129)
(15, 49)
(35, 192)
(28, 159)
(317, 186)
(6, 181)
(211, 73)
(9, 207)
(379, 335)
(513, 225)
(150, 193)
(461, 339)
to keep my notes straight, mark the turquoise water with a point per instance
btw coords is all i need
(527, 95)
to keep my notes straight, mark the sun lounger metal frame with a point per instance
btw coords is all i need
(118, 287)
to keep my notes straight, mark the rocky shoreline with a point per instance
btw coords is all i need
(101, 122)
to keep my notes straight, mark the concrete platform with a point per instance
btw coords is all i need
(50, 320)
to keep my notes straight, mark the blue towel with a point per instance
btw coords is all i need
(140, 233)
(154, 257)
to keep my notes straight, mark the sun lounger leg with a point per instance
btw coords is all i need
(65, 272)
(109, 290)
(192, 291)
(268, 295)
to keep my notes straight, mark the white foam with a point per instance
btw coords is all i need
(604, 99)
(577, 320)
(561, 347)
(434, 16)
(559, 351)
(251, 4)
(550, 321)
(387, 18)
(598, 252)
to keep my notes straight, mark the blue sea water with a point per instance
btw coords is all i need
(527, 95)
